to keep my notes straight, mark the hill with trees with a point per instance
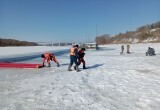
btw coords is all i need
(146, 34)
(13, 42)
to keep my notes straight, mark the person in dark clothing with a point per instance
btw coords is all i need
(150, 51)
(128, 49)
(81, 57)
(122, 49)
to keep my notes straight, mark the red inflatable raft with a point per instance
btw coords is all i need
(19, 65)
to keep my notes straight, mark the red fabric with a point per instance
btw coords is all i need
(80, 52)
(19, 65)
(81, 59)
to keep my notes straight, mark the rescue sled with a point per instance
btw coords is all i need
(19, 65)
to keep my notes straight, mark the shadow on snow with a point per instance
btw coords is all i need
(94, 66)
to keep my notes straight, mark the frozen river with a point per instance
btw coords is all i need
(111, 82)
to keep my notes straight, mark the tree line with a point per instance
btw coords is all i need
(13, 42)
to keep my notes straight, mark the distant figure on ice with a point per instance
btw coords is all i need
(73, 57)
(128, 47)
(150, 51)
(81, 57)
(49, 57)
(122, 49)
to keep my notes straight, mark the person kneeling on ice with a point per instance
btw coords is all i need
(81, 57)
(73, 57)
(150, 51)
(49, 57)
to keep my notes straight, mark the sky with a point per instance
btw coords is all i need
(73, 20)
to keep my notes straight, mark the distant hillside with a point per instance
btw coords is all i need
(13, 42)
(146, 34)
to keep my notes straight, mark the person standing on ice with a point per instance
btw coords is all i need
(122, 49)
(81, 57)
(49, 57)
(73, 57)
(128, 47)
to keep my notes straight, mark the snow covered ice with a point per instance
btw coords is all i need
(111, 82)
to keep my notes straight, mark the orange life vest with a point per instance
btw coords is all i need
(47, 55)
(72, 51)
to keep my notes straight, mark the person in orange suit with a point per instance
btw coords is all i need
(81, 57)
(49, 57)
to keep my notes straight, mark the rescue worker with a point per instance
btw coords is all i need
(73, 57)
(81, 57)
(49, 57)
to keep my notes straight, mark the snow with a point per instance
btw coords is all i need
(111, 82)
(153, 30)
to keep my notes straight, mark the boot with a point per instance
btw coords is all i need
(43, 64)
(84, 67)
(57, 64)
(77, 69)
(69, 68)
(74, 67)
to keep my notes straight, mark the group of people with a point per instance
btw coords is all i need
(150, 51)
(128, 49)
(76, 56)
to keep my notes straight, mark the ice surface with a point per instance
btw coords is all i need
(111, 82)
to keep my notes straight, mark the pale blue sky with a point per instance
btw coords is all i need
(73, 20)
